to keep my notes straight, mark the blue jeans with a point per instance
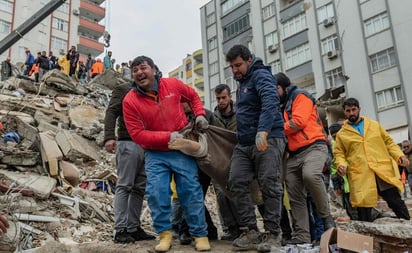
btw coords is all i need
(159, 168)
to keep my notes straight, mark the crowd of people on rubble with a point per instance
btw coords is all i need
(70, 63)
(281, 143)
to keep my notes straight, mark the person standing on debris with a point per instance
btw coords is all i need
(53, 60)
(73, 57)
(107, 61)
(308, 153)
(6, 69)
(64, 64)
(364, 146)
(43, 63)
(154, 115)
(126, 72)
(131, 182)
(97, 68)
(89, 63)
(225, 117)
(407, 150)
(29, 62)
(258, 153)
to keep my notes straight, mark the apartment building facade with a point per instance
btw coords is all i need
(191, 72)
(335, 49)
(74, 23)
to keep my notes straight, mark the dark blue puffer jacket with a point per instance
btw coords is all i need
(258, 106)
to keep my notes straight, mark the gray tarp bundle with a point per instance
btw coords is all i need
(219, 143)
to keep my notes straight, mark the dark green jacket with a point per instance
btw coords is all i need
(227, 121)
(115, 112)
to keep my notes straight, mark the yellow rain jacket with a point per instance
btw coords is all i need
(375, 153)
(64, 64)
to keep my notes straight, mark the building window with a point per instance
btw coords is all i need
(275, 67)
(188, 66)
(271, 39)
(325, 12)
(6, 6)
(229, 5)
(294, 25)
(5, 27)
(59, 44)
(210, 19)
(389, 98)
(382, 60)
(232, 84)
(64, 8)
(268, 11)
(311, 88)
(212, 43)
(60, 24)
(335, 78)
(297, 56)
(376, 24)
(236, 27)
(213, 68)
(330, 44)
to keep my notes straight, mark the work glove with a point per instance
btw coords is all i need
(261, 140)
(201, 122)
(175, 135)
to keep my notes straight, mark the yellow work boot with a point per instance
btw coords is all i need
(165, 241)
(202, 244)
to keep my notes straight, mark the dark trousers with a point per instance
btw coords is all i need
(395, 202)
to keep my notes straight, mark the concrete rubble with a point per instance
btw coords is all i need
(56, 182)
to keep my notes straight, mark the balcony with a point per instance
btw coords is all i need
(91, 11)
(89, 46)
(199, 83)
(198, 55)
(198, 69)
(91, 28)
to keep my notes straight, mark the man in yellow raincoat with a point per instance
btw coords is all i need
(363, 146)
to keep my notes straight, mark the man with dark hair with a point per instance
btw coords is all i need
(225, 117)
(373, 157)
(73, 57)
(407, 150)
(308, 153)
(154, 115)
(131, 174)
(259, 151)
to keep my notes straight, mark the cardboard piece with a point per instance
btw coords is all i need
(345, 240)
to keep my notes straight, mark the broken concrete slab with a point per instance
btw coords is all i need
(19, 158)
(70, 172)
(50, 152)
(84, 116)
(110, 79)
(42, 186)
(75, 147)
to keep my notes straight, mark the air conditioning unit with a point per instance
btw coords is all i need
(273, 48)
(332, 54)
(62, 51)
(76, 12)
(327, 22)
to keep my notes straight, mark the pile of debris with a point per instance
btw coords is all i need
(56, 182)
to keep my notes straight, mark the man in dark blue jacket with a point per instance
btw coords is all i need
(260, 148)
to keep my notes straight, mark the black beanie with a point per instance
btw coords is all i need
(334, 128)
(282, 80)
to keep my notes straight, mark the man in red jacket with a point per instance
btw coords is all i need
(154, 115)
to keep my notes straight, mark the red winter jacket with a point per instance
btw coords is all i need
(151, 122)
